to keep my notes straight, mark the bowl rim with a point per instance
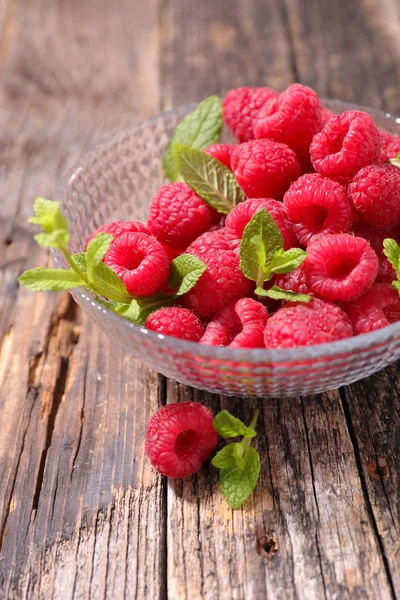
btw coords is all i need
(346, 346)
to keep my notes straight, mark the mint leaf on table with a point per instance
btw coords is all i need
(209, 178)
(199, 129)
(42, 279)
(277, 293)
(185, 272)
(95, 252)
(391, 250)
(229, 426)
(238, 462)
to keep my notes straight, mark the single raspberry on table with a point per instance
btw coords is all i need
(264, 168)
(221, 152)
(240, 324)
(117, 228)
(208, 242)
(179, 438)
(140, 262)
(294, 281)
(317, 205)
(222, 282)
(375, 193)
(178, 215)
(347, 143)
(293, 118)
(176, 322)
(340, 267)
(241, 105)
(317, 322)
(375, 238)
(238, 218)
(379, 307)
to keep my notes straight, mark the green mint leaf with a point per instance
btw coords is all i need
(109, 280)
(95, 252)
(185, 272)
(237, 483)
(277, 293)
(79, 260)
(42, 279)
(229, 426)
(395, 161)
(391, 249)
(56, 239)
(396, 286)
(230, 457)
(48, 215)
(260, 240)
(199, 129)
(139, 309)
(285, 262)
(209, 178)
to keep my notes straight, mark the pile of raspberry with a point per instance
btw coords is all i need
(327, 182)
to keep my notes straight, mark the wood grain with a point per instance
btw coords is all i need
(82, 515)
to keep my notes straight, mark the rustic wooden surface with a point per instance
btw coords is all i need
(82, 515)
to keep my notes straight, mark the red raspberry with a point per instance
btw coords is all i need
(208, 242)
(326, 115)
(179, 438)
(239, 324)
(375, 238)
(375, 309)
(347, 143)
(316, 205)
(317, 322)
(140, 262)
(340, 267)
(387, 139)
(391, 150)
(177, 322)
(171, 252)
(222, 282)
(375, 192)
(178, 215)
(238, 218)
(264, 168)
(241, 105)
(295, 281)
(221, 152)
(292, 118)
(116, 228)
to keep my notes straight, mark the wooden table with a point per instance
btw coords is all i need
(82, 514)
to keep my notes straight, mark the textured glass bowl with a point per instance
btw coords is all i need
(117, 181)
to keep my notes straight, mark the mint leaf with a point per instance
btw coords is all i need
(185, 272)
(56, 239)
(139, 309)
(396, 286)
(209, 178)
(199, 129)
(237, 483)
(230, 457)
(79, 261)
(277, 293)
(95, 252)
(285, 261)
(391, 249)
(42, 279)
(48, 215)
(229, 426)
(261, 238)
(107, 278)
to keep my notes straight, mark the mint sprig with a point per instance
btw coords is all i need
(262, 255)
(391, 250)
(198, 129)
(238, 462)
(209, 178)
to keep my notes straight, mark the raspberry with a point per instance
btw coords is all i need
(116, 228)
(375, 238)
(177, 322)
(340, 267)
(317, 322)
(221, 152)
(316, 205)
(140, 262)
(179, 438)
(375, 309)
(238, 218)
(392, 150)
(171, 252)
(178, 215)
(209, 241)
(375, 192)
(241, 105)
(264, 168)
(347, 143)
(292, 118)
(295, 281)
(239, 324)
(222, 282)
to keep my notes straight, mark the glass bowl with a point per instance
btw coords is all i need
(117, 181)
